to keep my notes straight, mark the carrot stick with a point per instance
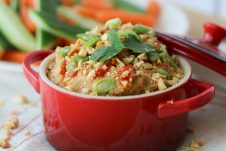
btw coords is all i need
(67, 2)
(6, 1)
(1, 54)
(14, 56)
(25, 5)
(86, 11)
(146, 19)
(96, 4)
(154, 8)
(66, 20)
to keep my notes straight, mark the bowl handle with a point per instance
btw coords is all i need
(214, 33)
(31, 75)
(178, 107)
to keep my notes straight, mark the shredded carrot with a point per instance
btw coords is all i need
(25, 6)
(154, 8)
(68, 2)
(146, 19)
(14, 56)
(96, 4)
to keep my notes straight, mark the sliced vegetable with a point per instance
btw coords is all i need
(78, 19)
(15, 5)
(14, 56)
(105, 15)
(64, 50)
(96, 4)
(86, 37)
(86, 11)
(171, 63)
(137, 46)
(122, 4)
(76, 58)
(113, 23)
(70, 68)
(19, 36)
(54, 26)
(91, 42)
(4, 45)
(25, 5)
(154, 8)
(104, 85)
(140, 29)
(44, 39)
(153, 56)
(163, 72)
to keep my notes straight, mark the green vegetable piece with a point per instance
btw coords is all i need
(14, 30)
(4, 45)
(114, 38)
(126, 33)
(79, 20)
(14, 4)
(100, 52)
(171, 63)
(70, 68)
(113, 23)
(140, 29)
(105, 53)
(44, 39)
(153, 56)
(53, 26)
(64, 50)
(163, 72)
(76, 58)
(128, 6)
(91, 42)
(103, 86)
(86, 37)
(136, 45)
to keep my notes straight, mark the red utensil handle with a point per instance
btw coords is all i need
(31, 75)
(166, 110)
(214, 34)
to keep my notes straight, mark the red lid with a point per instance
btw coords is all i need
(204, 51)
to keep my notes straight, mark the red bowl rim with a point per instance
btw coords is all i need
(42, 72)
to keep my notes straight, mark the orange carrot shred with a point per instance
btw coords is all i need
(14, 56)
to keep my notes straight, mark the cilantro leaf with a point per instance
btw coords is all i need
(134, 44)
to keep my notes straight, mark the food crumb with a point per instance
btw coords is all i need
(21, 99)
(190, 130)
(194, 145)
(4, 144)
(14, 113)
(26, 132)
(12, 123)
(1, 103)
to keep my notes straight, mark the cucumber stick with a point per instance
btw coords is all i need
(14, 30)
(54, 26)
(44, 39)
(71, 14)
(3, 43)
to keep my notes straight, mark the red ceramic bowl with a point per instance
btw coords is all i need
(147, 122)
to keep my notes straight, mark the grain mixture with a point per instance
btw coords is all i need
(115, 60)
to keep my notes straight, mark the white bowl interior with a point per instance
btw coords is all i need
(43, 67)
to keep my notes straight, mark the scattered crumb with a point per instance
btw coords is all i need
(190, 130)
(194, 145)
(12, 123)
(14, 113)
(1, 103)
(4, 144)
(170, 102)
(26, 132)
(21, 99)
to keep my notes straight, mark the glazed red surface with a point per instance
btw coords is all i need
(149, 123)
